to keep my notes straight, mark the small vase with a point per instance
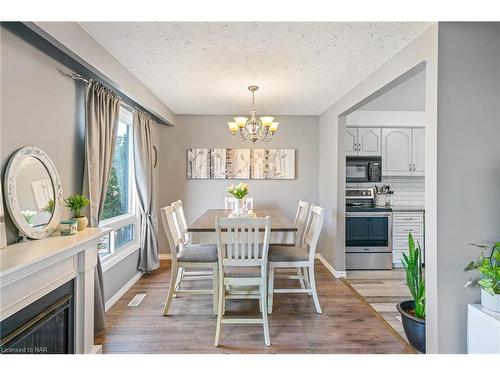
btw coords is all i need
(238, 203)
(82, 222)
(490, 302)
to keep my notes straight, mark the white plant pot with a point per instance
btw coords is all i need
(490, 302)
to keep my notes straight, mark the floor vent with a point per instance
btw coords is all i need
(137, 299)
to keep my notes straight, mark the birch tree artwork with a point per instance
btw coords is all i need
(197, 163)
(231, 163)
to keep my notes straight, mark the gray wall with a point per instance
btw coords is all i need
(468, 179)
(40, 107)
(297, 132)
(116, 277)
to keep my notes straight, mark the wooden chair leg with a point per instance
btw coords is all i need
(305, 272)
(220, 307)
(265, 323)
(171, 290)
(312, 281)
(300, 274)
(180, 274)
(215, 288)
(270, 289)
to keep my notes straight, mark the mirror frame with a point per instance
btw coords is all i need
(11, 198)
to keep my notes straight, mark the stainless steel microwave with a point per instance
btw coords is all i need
(363, 169)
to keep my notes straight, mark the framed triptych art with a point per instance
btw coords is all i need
(233, 163)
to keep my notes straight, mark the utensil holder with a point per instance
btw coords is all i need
(380, 199)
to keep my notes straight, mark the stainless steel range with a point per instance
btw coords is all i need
(368, 232)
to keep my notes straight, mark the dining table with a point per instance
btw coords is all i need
(283, 230)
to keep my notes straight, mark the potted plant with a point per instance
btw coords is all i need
(76, 203)
(238, 192)
(413, 311)
(489, 280)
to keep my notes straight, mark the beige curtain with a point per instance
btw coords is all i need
(102, 109)
(146, 191)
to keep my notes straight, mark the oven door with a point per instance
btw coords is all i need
(369, 232)
(357, 171)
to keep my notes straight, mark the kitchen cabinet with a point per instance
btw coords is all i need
(351, 141)
(418, 152)
(363, 141)
(403, 152)
(403, 223)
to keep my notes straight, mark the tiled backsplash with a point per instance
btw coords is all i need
(408, 191)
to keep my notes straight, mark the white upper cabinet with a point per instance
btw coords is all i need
(418, 152)
(351, 141)
(363, 141)
(369, 141)
(403, 152)
(396, 152)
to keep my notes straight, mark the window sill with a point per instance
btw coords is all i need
(118, 221)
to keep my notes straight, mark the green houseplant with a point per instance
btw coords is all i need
(489, 279)
(76, 203)
(238, 192)
(413, 311)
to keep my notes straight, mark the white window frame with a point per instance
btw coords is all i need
(121, 221)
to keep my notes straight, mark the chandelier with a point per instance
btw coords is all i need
(253, 129)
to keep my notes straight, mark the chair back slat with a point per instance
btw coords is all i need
(229, 203)
(240, 241)
(181, 219)
(313, 229)
(172, 230)
(300, 221)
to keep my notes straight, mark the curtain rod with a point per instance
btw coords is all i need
(79, 77)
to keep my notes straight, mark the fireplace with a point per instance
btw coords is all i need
(46, 326)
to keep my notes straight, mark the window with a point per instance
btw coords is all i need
(119, 208)
(118, 195)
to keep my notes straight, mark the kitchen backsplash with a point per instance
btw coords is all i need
(408, 191)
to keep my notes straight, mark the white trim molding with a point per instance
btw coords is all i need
(124, 289)
(329, 267)
(165, 256)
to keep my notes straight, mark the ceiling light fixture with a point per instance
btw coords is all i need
(253, 129)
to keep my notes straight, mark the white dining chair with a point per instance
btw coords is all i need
(183, 227)
(186, 257)
(242, 253)
(229, 203)
(300, 256)
(181, 218)
(300, 220)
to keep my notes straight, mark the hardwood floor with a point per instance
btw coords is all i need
(347, 325)
(382, 290)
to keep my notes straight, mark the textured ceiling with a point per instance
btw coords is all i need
(407, 96)
(205, 68)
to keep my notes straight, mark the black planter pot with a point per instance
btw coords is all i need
(414, 327)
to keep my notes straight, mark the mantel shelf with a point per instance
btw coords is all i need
(25, 254)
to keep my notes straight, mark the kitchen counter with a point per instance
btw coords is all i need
(408, 208)
(386, 209)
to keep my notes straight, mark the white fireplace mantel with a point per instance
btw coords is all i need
(30, 270)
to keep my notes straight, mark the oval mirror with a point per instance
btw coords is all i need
(33, 193)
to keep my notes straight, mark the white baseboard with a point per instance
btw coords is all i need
(329, 267)
(123, 290)
(165, 256)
